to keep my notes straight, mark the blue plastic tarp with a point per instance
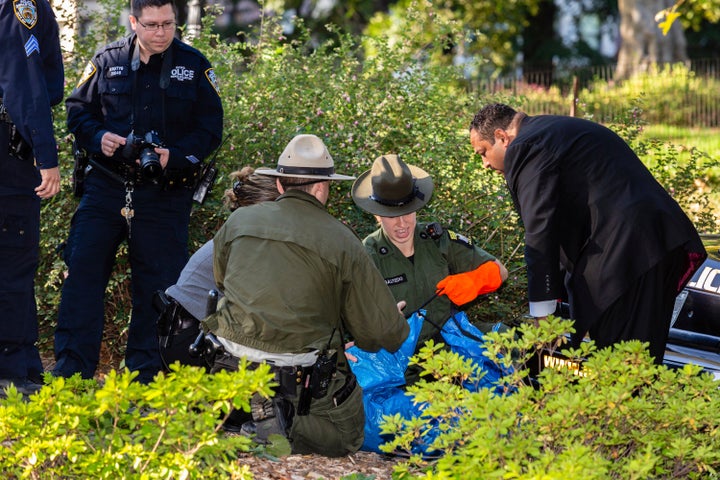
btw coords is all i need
(382, 376)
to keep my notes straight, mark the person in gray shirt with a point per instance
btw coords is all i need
(179, 324)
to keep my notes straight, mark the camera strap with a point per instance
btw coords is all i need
(163, 83)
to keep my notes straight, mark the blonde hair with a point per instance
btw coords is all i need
(249, 188)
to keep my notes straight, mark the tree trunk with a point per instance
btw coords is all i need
(194, 19)
(642, 43)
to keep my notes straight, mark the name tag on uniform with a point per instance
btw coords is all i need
(396, 280)
(117, 71)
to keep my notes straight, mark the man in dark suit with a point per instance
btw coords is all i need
(594, 215)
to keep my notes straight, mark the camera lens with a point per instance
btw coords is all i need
(150, 164)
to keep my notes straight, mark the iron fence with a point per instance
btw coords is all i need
(686, 95)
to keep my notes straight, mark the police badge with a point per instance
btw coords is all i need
(26, 12)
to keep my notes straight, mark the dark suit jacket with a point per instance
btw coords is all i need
(591, 208)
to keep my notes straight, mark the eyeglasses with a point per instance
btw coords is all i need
(154, 27)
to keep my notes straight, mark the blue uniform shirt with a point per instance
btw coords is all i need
(110, 96)
(31, 73)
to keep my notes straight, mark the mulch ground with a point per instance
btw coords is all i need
(302, 467)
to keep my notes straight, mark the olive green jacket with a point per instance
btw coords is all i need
(291, 273)
(414, 281)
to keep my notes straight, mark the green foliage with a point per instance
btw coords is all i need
(170, 428)
(485, 30)
(621, 417)
(684, 178)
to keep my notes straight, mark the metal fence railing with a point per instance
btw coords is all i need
(678, 94)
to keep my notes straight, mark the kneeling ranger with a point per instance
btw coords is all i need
(297, 283)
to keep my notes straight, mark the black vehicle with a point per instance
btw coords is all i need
(694, 335)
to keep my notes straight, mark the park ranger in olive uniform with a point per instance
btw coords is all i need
(297, 283)
(423, 264)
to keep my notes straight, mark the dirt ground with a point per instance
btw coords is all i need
(301, 467)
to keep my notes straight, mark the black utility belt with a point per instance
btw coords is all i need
(17, 146)
(289, 378)
(172, 179)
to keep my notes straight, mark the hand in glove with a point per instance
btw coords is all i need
(462, 288)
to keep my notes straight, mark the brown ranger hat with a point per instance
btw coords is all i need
(306, 156)
(392, 188)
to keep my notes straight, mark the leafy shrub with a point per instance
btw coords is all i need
(170, 428)
(623, 417)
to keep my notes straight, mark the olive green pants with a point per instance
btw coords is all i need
(333, 431)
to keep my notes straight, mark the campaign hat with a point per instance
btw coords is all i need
(392, 188)
(306, 156)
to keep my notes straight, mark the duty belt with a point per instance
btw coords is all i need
(120, 171)
(182, 319)
(288, 378)
(17, 146)
(123, 172)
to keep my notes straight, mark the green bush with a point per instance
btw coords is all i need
(622, 417)
(170, 428)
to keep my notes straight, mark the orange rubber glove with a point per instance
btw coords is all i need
(462, 288)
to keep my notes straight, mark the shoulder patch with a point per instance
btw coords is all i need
(87, 73)
(461, 239)
(212, 78)
(26, 11)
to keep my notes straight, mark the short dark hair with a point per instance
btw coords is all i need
(490, 118)
(297, 183)
(137, 6)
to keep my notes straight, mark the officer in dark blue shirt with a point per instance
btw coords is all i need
(31, 81)
(147, 112)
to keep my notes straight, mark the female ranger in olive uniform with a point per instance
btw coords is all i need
(417, 259)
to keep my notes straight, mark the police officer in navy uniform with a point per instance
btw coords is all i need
(31, 81)
(147, 111)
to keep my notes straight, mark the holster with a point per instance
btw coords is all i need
(17, 146)
(80, 169)
(167, 310)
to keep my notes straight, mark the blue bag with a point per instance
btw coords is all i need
(466, 340)
(382, 368)
(382, 376)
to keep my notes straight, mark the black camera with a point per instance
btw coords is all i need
(143, 147)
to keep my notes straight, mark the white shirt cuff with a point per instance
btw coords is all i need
(543, 309)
